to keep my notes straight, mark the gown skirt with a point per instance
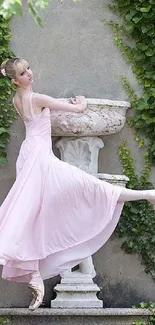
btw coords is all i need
(55, 215)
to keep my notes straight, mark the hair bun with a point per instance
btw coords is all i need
(3, 72)
(3, 68)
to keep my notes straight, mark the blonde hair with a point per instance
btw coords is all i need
(11, 67)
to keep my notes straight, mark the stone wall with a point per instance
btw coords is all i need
(74, 54)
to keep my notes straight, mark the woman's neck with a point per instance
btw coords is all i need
(29, 88)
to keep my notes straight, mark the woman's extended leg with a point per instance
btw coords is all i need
(133, 195)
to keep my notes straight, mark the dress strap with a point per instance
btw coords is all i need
(16, 107)
(31, 106)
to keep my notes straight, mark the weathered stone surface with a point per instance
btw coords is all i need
(48, 316)
(119, 180)
(121, 312)
(81, 152)
(76, 290)
(101, 117)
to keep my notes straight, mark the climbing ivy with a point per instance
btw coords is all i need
(151, 318)
(4, 320)
(137, 224)
(139, 25)
(136, 39)
(7, 113)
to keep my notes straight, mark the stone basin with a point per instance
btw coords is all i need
(102, 117)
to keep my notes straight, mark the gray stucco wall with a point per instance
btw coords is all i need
(74, 54)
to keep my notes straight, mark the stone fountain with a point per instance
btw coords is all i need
(79, 145)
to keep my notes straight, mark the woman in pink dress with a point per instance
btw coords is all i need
(55, 215)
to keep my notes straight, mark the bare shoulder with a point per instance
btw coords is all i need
(38, 95)
(36, 98)
(18, 99)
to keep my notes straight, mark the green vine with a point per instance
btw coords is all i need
(151, 318)
(4, 320)
(136, 39)
(139, 25)
(137, 222)
(7, 113)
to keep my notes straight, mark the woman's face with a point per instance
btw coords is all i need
(24, 76)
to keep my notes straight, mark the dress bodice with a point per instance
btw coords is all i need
(39, 125)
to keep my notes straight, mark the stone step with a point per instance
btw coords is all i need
(49, 316)
(78, 303)
(77, 288)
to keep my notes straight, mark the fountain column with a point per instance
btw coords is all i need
(80, 147)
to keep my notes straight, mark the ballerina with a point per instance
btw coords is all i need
(55, 215)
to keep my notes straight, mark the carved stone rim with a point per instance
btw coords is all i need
(113, 177)
(102, 117)
(108, 102)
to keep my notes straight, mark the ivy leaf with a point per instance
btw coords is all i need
(142, 103)
(9, 8)
(129, 16)
(145, 28)
(3, 160)
(142, 46)
(129, 27)
(150, 52)
(147, 83)
(145, 9)
(34, 13)
(143, 305)
(18, 9)
(147, 119)
(2, 145)
(137, 19)
(134, 210)
(139, 56)
(153, 41)
(3, 130)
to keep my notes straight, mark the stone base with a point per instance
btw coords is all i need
(48, 316)
(76, 290)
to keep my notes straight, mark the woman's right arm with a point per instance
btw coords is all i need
(77, 106)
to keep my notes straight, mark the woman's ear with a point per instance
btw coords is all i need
(15, 82)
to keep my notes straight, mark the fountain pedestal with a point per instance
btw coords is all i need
(80, 147)
(76, 290)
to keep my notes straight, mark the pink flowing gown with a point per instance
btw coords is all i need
(55, 215)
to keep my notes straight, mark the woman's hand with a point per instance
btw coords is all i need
(79, 100)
